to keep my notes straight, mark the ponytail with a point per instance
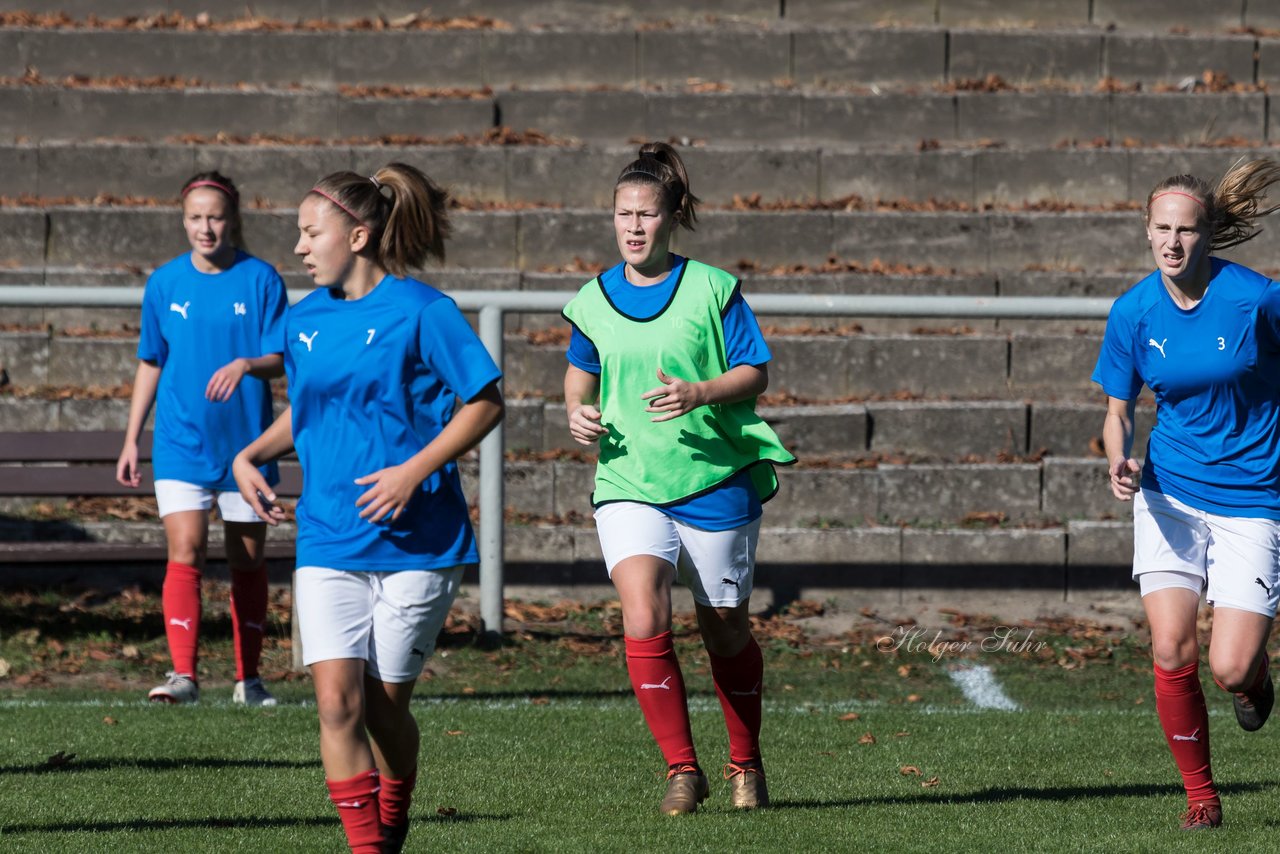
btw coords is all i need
(404, 210)
(659, 165)
(1232, 207)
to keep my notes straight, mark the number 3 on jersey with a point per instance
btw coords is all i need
(1222, 343)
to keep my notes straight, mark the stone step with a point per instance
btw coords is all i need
(276, 175)
(1072, 561)
(110, 321)
(1106, 14)
(1055, 489)
(627, 55)
(777, 115)
(815, 367)
(1050, 491)
(540, 238)
(868, 430)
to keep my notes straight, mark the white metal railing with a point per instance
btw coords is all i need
(493, 305)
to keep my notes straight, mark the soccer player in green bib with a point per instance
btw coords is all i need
(666, 361)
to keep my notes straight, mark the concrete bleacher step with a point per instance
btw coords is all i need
(778, 115)
(277, 175)
(107, 322)
(873, 429)
(531, 239)
(1135, 14)
(817, 367)
(500, 54)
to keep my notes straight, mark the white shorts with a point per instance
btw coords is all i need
(177, 496)
(1235, 560)
(717, 566)
(388, 619)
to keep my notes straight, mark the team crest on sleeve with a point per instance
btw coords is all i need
(307, 339)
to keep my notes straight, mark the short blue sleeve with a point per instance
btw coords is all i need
(1269, 317)
(582, 354)
(743, 342)
(453, 352)
(275, 300)
(1116, 371)
(151, 344)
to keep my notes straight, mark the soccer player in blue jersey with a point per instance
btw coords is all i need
(376, 363)
(666, 361)
(212, 336)
(1204, 335)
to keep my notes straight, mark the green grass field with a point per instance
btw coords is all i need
(539, 746)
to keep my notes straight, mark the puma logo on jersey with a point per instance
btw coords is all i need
(1159, 346)
(186, 624)
(1195, 736)
(180, 309)
(238, 307)
(648, 686)
(1262, 584)
(752, 693)
(729, 581)
(307, 340)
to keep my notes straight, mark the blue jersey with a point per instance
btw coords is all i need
(1215, 373)
(733, 503)
(372, 382)
(194, 323)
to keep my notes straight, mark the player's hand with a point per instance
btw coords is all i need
(389, 492)
(256, 491)
(127, 472)
(225, 380)
(585, 426)
(1126, 479)
(673, 398)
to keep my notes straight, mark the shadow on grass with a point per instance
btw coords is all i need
(526, 695)
(1003, 794)
(248, 823)
(80, 765)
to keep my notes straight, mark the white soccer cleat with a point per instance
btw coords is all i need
(251, 692)
(178, 689)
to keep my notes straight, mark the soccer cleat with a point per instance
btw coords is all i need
(394, 836)
(1202, 816)
(747, 789)
(251, 692)
(1252, 712)
(178, 689)
(687, 787)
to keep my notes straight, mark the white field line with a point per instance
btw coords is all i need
(979, 686)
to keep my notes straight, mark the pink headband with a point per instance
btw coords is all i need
(216, 185)
(1178, 193)
(346, 209)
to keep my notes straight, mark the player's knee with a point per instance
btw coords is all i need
(187, 553)
(338, 710)
(1233, 676)
(1171, 652)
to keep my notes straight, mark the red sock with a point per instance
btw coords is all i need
(393, 800)
(181, 598)
(655, 677)
(248, 618)
(1180, 705)
(357, 803)
(740, 687)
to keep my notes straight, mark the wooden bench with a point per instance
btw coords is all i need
(83, 464)
(71, 464)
